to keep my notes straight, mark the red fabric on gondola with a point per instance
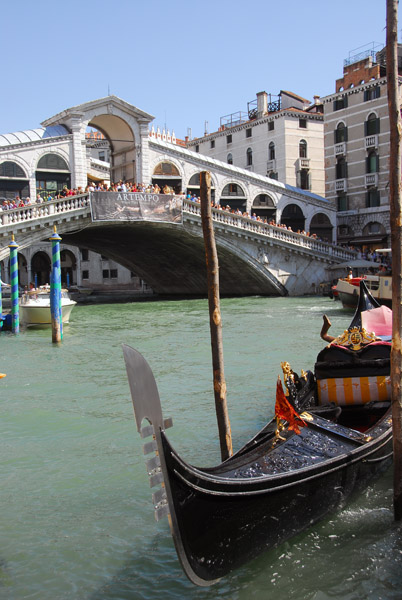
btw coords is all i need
(284, 410)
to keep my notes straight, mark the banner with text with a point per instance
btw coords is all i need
(136, 206)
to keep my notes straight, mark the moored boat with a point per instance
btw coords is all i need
(380, 287)
(331, 436)
(35, 306)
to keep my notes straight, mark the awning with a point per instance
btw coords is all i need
(367, 240)
(359, 263)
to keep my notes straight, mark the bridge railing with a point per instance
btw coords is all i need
(44, 209)
(70, 203)
(272, 231)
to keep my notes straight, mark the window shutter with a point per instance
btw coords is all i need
(365, 128)
(378, 126)
(377, 164)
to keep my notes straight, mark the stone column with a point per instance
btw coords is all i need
(142, 163)
(79, 154)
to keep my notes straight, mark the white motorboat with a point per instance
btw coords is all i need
(35, 306)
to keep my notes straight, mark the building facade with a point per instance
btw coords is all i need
(356, 139)
(280, 137)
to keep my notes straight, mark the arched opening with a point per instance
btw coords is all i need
(68, 266)
(249, 157)
(271, 151)
(303, 149)
(122, 147)
(13, 181)
(22, 271)
(193, 186)
(41, 268)
(166, 175)
(292, 216)
(321, 227)
(264, 207)
(233, 195)
(230, 159)
(99, 154)
(52, 174)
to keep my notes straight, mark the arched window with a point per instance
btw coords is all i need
(249, 157)
(166, 168)
(11, 169)
(341, 133)
(52, 162)
(271, 151)
(233, 189)
(372, 125)
(303, 149)
(230, 159)
(372, 163)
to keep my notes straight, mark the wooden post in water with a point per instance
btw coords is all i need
(215, 322)
(396, 227)
(55, 289)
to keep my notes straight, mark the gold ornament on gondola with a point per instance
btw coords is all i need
(354, 338)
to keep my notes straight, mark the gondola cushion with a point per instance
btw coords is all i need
(344, 391)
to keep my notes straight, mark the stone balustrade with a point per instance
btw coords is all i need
(72, 203)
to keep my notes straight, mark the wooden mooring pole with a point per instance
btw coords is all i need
(215, 321)
(396, 227)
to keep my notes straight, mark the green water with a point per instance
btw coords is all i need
(76, 518)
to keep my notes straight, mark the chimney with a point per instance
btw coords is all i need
(262, 104)
(317, 100)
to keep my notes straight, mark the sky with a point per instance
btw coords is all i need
(185, 62)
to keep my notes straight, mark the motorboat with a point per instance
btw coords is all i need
(380, 287)
(330, 437)
(34, 306)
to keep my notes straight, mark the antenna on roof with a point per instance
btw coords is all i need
(108, 89)
(189, 133)
(205, 127)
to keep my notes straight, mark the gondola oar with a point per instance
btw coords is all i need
(215, 321)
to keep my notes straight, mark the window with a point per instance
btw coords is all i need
(249, 133)
(105, 274)
(11, 169)
(166, 168)
(372, 198)
(113, 273)
(271, 126)
(52, 162)
(303, 149)
(372, 93)
(342, 202)
(303, 123)
(372, 125)
(273, 175)
(341, 169)
(212, 143)
(232, 189)
(249, 157)
(103, 257)
(102, 155)
(230, 159)
(85, 274)
(341, 133)
(372, 163)
(271, 151)
(340, 103)
(304, 179)
(197, 148)
(84, 254)
(229, 139)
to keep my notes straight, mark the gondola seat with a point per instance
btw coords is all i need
(353, 378)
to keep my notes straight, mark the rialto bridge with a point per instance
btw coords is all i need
(254, 257)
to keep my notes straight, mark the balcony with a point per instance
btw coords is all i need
(371, 180)
(302, 163)
(371, 141)
(341, 185)
(271, 165)
(340, 149)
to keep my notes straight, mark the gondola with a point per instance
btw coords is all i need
(331, 436)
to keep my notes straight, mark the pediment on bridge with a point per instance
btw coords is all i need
(109, 105)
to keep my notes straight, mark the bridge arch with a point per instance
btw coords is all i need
(264, 206)
(193, 185)
(233, 195)
(293, 216)
(168, 171)
(41, 266)
(321, 226)
(14, 180)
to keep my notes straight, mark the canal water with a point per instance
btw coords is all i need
(76, 518)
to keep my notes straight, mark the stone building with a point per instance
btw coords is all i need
(281, 137)
(357, 134)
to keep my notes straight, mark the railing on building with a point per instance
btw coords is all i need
(371, 141)
(74, 203)
(371, 179)
(340, 149)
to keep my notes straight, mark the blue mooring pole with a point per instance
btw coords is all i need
(1, 303)
(15, 309)
(55, 289)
